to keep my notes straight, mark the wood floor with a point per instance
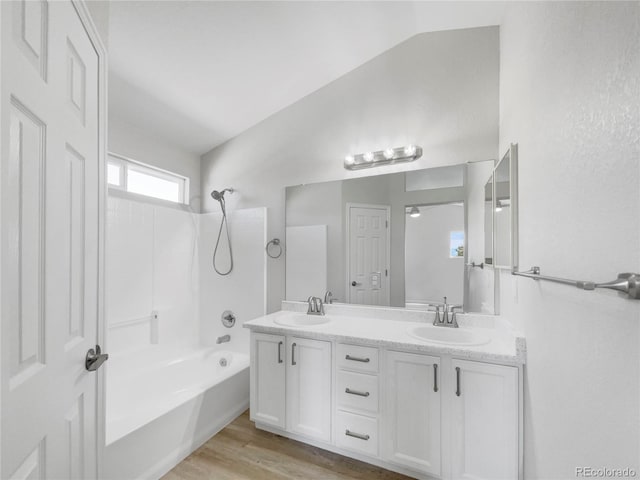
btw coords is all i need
(241, 451)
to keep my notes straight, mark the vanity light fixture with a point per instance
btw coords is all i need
(414, 212)
(382, 157)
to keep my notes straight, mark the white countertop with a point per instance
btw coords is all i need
(387, 327)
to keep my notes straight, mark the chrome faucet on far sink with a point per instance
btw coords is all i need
(445, 320)
(316, 307)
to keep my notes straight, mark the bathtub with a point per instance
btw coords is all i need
(162, 404)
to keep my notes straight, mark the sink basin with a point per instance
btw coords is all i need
(301, 320)
(448, 336)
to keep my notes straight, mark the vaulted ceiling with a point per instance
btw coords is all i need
(200, 72)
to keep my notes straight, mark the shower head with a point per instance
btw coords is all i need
(220, 195)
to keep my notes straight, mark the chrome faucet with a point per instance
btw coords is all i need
(445, 320)
(316, 307)
(328, 297)
(224, 339)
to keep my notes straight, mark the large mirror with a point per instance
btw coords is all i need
(505, 211)
(401, 239)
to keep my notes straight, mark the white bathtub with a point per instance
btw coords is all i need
(162, 404)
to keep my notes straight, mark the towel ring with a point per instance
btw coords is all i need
(276, 242)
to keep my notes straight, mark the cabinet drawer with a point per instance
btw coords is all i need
(357, 391)
(357, 432)
(356, 357)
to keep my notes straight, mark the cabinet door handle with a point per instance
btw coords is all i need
(458, 392)
(357, 359)
(279, 352)
(349, 433)
(435, 377)
(293, 354)
(356, 392)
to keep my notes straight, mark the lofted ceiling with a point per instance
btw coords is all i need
(200, 72)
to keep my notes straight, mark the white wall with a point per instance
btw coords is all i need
(151, 266)
(569, 90)
(438, 90)
(139, 144)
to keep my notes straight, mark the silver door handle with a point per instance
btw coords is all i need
(357, 359)
(95, 359)
(293, 354)
(458, 392)
(356, 435)
(279, 352)
(356, 392)
(355, 284)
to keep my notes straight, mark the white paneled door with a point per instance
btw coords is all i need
(51, 140)
(368, 254)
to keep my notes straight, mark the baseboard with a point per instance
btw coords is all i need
(187, 448)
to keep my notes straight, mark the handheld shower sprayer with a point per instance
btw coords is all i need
(219, 196)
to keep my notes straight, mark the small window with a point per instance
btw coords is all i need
(456, 244)
(135, 177)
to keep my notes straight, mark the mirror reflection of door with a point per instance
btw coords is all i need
(368, 254)
(434, 254)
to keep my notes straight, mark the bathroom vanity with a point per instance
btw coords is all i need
(384, 386)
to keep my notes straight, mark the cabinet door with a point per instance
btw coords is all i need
(268, 372)
(309, 388)
(413, 411)
(484, 421)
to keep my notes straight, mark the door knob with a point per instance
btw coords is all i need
(95, 359)
(354, 284)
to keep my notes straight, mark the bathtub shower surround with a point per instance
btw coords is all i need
(243, 291)
(170, 385)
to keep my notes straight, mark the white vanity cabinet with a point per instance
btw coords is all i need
(484, 421)
(429, 416)
(267, 377)
(309, 388)
(291, 384)
(413, 414)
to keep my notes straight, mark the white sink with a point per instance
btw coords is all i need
(448, 336)
(301, 320)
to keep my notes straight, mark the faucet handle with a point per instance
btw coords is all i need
(437, 311)
(454, 321)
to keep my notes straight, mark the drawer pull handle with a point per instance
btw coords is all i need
(349, 433)
(458, 392)
(293, 354)
(435, 377)
(356, 392)
(279, 352)
(357, 359)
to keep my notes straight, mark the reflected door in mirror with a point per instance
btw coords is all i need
(368, 255)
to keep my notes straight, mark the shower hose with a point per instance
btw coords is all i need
(223, 224)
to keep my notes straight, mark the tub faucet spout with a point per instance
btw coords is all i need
(224, 339)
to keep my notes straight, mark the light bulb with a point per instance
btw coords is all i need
(349, 160)
(388, 153)
(368, 157)
(410, 150)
